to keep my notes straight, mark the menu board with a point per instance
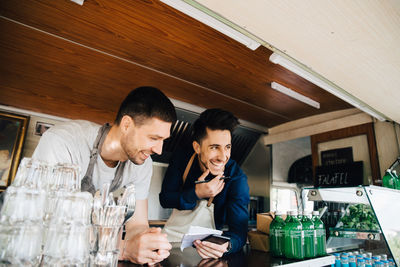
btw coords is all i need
(337, 156)
(339, 175)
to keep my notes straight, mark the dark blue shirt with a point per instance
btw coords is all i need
(230, 205)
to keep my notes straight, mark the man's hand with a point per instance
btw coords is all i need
(209, 250)
(150, 246)
(211, 188)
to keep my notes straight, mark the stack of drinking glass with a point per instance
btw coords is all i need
(67, 227)
(45, 218)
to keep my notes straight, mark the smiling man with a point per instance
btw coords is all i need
(206, 172)
(119, 155)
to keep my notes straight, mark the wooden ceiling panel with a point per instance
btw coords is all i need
(46, 74)
(124, 44)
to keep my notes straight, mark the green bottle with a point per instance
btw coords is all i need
(389, 180)
(287, 216)
(277, 235)
(320, 234)
(397, 180)
(300, 216)
(294, 237)
(310, 235)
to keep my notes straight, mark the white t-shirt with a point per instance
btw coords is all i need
(72, 141)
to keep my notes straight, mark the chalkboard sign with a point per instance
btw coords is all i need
(340, 175)
(337, 156)
(301, 171)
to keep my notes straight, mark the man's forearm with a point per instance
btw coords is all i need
(132, 230)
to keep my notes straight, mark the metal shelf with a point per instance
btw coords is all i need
(355, 234)
(353, 195)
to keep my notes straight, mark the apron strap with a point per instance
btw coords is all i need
(188, 166)
(87, 181)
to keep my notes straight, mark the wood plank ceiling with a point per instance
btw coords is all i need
(79, 62)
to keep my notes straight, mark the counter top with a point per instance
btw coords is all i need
(247, 257)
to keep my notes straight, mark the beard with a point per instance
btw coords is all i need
(137, 157)
(136, 161)
(132, 154)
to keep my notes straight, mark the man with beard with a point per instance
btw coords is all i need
(119, 155)
(203, 174)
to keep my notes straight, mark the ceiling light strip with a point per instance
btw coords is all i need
(79, 2)
(340, 93)
(212, 22)
(293, 94)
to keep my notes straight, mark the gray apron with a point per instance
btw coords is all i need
(180, 221)
(87, 181)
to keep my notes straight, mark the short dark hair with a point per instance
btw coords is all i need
(213, 119)
(146, 102)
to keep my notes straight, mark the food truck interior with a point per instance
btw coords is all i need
(312, 83)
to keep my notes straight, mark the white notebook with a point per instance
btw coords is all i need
(196, 233)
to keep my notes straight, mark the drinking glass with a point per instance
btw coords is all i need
(106, 259)
(20, 245)
(33, 174)
(40, 175)
(68, 207)
(105, 238)
(105, 241)
(66, 245)
(23, 205)
(66, 177)
(22, 173)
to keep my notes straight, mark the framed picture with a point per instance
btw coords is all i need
(41, 127)
(13, 128)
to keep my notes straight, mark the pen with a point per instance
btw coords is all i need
(206, 181)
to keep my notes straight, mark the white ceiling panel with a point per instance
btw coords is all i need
(354, 44)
